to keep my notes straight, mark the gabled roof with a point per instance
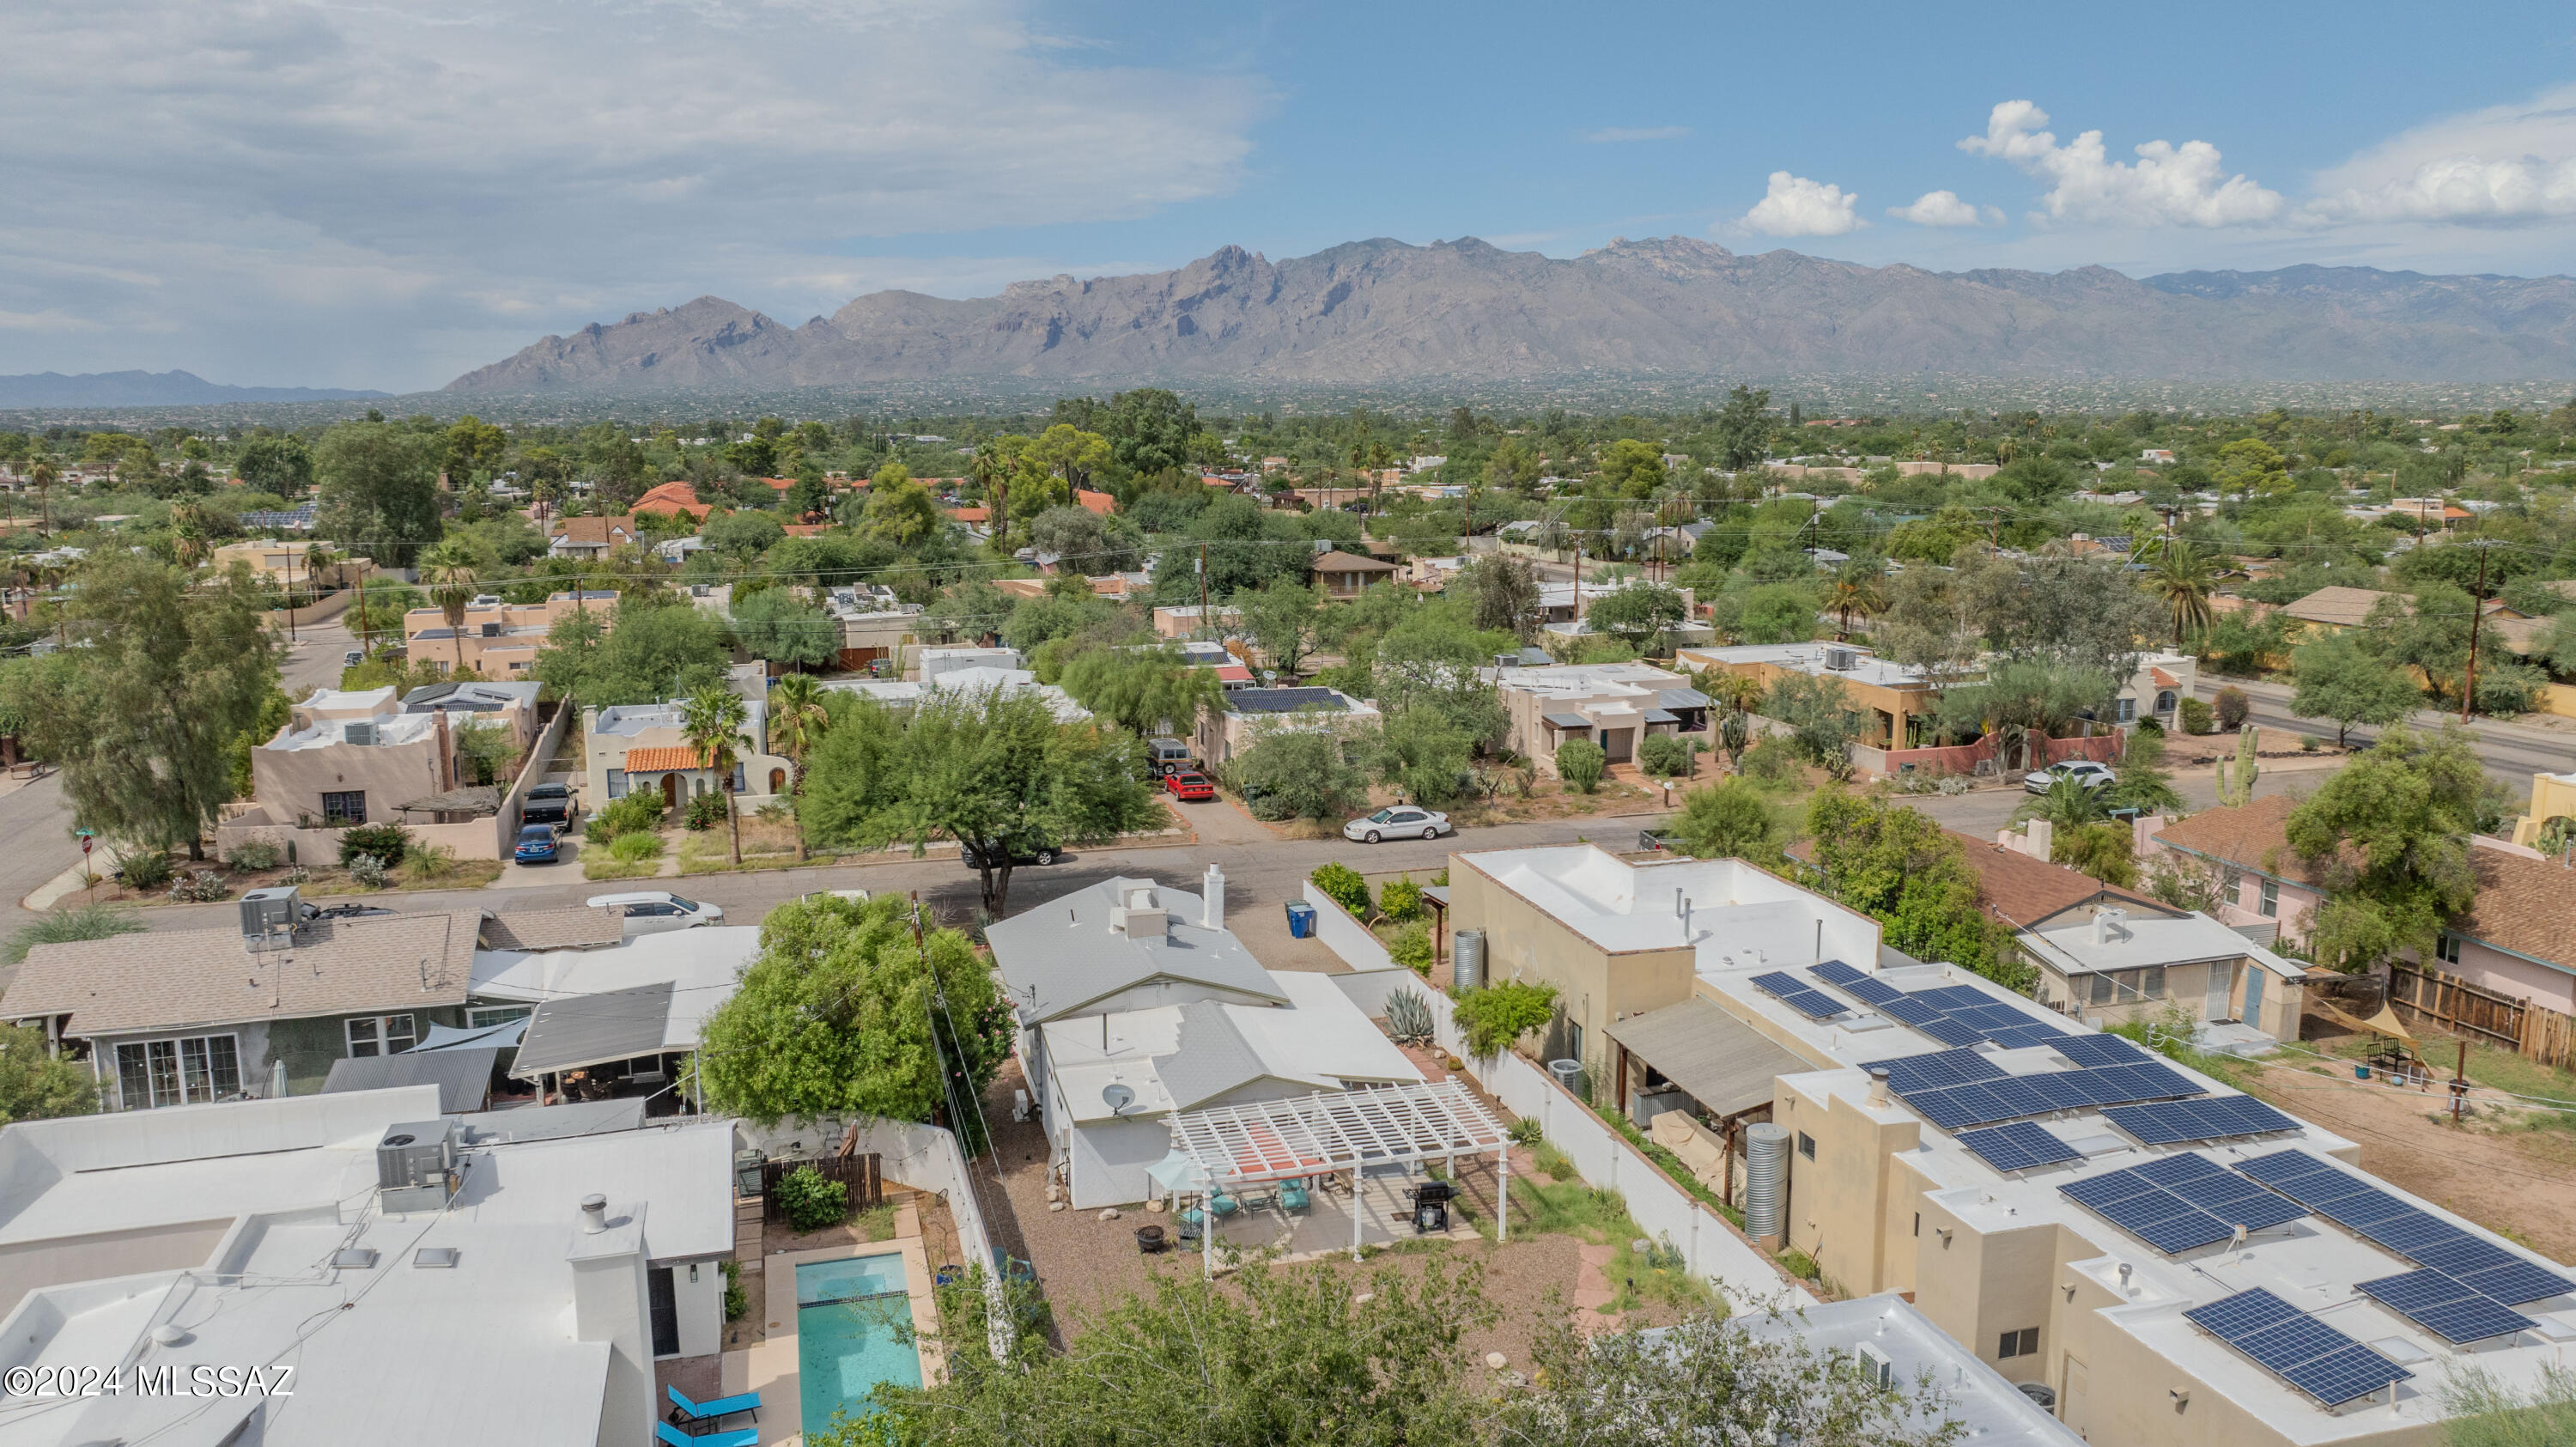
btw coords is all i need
(1211, 1057)
(1061, 956)
(1099, 502)
(2523, 907)
(2339, 607)
(160, 981)
(672, 497)
(602, 532)
(2252, 837)
(1338, 561)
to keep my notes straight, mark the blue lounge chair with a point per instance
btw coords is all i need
(709, 1413)
(1292, 1195)
(670, 1436)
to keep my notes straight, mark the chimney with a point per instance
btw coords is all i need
(2039, 839)
(2107, 925)
(1212, 898)
(446, 753)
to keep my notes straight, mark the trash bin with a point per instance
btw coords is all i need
(1301, 919)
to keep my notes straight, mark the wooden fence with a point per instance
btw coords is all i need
(2533, 1031)
(863, 1175)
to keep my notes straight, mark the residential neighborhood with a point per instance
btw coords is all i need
(794, 921)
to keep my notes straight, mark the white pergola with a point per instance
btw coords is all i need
(1331, 1131)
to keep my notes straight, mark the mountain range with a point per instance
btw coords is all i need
(149, 389)
(1384, 312)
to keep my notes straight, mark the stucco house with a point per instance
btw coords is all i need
(1615, 705)
(645, 746)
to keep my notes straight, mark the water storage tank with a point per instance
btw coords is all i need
(1467, 971)
(1766, 1180)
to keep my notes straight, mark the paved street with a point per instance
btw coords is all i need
(1987, 810)
(2512, 752)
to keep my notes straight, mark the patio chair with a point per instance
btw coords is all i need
(694, 1414)
(1292, 1195)
(670, 1436)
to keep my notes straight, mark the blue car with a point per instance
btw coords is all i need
(536, 844)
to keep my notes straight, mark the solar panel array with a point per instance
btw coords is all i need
(1952, 1014)
(2445, 1306)
(2387, 1220)
(2296, 1347)
(2179, 1202)
(2020, 1146)
(2215, 1119)
(1992, 1098)
(1806, 999)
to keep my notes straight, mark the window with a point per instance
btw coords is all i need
(2232, 884)
(662, 1300)
(1806, 1145)
(2128, 710)
(2447, 948)
(177, 1072)
(2151, 983)
(380, 1035)
(617, 783)
(2102, 990)
(738, 784)
(1918, 1223)
(496, 1015)
(2022, 1343)
(2165, 700)
(344, 808)
(2271, 906)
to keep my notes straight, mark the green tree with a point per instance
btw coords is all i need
(1728, 820)
(1071, 455)
(711, 721)
(1822, 719)
(2389, 835)
(1898, 866)
(1743, 430)
(2183, 578)
(994, 771)
(450, 572)
(1149, 431)
(1511, 466)
(1632, 469)
(776, 625)
(1424, 756)
(654, 652)
(281, 464)
(1638, 614)
(36, 1084)
(1145, 690)
(139, 718)
(1086, 542)
(379, 490)
(1858, 586)
(1581, 762)
(471, 447)
(841, 1013)
(798, 720)
(2338, 679)
(1503, 595)
(1282, 621)
(898, 509)
(1295, 770)
(741, 537)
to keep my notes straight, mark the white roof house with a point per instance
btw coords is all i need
(1734, 916)
(486, 1305)
(649, 995)
(964, 678)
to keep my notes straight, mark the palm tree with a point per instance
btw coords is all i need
(712, 723)
(797, 722)
(2184, 577)
(1854, 589)
(2067, 806)
(450, 571)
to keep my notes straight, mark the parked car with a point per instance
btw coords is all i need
(2083, 771)
(1398, 819)
(1168, 756)
(652, 911)
(536, 844)
(547, 804)
(353, 658)
(1189, 785)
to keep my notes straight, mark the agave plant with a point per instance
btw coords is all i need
(1408, 1018)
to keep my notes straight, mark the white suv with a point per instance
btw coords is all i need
(652, 911)
(2083, 771)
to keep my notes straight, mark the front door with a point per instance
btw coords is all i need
(2072, 1397)
(670, 791)
(2222, 990)
(2254, 996)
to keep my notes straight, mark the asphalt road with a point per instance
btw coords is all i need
(2512, 752)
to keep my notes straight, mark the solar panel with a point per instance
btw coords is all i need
(2517, 1283)
(2020, 1035)
(2061, 1089)
(2173, 1122)
(2233, 1318)
(2365, 1207)
(2463, 1254)
(1835, 972)
(1876, 992)
(1951, 998)
(2348, 1372)
(2018, 1147)
(2286, 1344)
(2095, 1192)
(1806, 1000)
(1990, 1016)
(2281, 1168)
(2021, 1095)
(2260, 1211)
(1951, 1032)
(1955, 1107)
(2089, 1050)
(2148, 1211)
(2448, 1308)
(1910, 1010)
(1937, 1067)
(2176, 1234)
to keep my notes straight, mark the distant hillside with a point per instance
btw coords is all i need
(150, 389)
(1381, 312)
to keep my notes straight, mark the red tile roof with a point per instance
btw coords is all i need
(971, 514)
(2164, 679)
(655, 761)
(1099, 502)
(673, 497)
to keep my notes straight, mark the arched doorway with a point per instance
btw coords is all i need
(778, 781)
(670, 791)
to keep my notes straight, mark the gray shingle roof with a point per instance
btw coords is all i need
(1210, 1058)
(161, 981)
(1061, 956)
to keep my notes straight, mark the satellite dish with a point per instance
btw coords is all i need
(1117, 1096)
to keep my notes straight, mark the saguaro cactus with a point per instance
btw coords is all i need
(2237, 786)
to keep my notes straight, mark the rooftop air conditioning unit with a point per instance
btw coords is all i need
(416, 1164)
(1839, 659)
(1875, 1365)
(491, 630)
(362, 734)
(265, 911)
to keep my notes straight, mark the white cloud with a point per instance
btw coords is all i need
(304, 192)
(1612, 135)
(1796, 206)
(2168, 185)
(2503, 165)
(1944, 208)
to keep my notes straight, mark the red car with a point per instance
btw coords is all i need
(1189, 786)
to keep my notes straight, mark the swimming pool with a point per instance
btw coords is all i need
(850, 1321)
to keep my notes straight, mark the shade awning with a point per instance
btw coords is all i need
(503, 1036)
(463, 1077)
(581, 1030)
(1275, 1140)
(1723, 1063)
(1566, 720)
(1656, 716)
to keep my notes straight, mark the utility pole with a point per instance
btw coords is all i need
(2477, 614)
(1204, 620)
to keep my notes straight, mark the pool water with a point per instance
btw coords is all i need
(850, 1322)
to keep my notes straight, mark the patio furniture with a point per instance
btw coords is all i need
(951, 1274)
(670, 1436)
(1223, 1205)
(1149, 1241)
(1292, 1195)
(1431, 1206)
(691, 1414)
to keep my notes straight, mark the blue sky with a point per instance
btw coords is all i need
(273, 193)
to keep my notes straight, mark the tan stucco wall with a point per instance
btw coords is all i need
(1844, 1203)
(289, 783)
(1594, 987)
(31, 1265)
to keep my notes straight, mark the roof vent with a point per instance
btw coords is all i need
(170, 1334)
(435, 1258)
(594, 1214)
(355, 1258)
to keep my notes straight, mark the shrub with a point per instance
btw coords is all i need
(737, 1301)
(1581, 763)
(1343, 886)
(635, 848)
(812, 1202)
(1526, 1132)
(2233, 706)
(1411, 948)
(384, 843)
(2307, 743)
(1497, 1016)
(431, 861)
(254, 854)
(705, 811)
(631, 814)
(367, 871)
(1773, 761)
(205, 886)
(1400, 898)
(1665, 756)
(80, 922)
(2197, 717)
(1408, 1018)
(145, 871)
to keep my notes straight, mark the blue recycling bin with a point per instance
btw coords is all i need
(1301, 919)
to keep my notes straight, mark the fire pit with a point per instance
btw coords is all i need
(1149, 1240)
